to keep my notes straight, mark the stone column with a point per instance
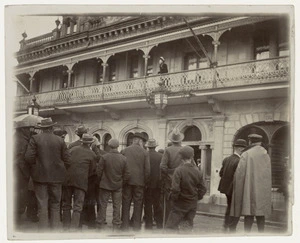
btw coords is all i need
(31, 79)
(104, 65)
(69, 77)
(273, 43)
(203, 149)
(146, 57)
(64, 28)
(217, 153)
(161, 133)
(72, 26)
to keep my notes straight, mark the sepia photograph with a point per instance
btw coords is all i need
(149, 121)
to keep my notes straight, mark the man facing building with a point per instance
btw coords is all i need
(82, 161)
(226, 183)
(153, 207)
(170, 161)
(113, 173)
(48, 157)
(252, 185)
(139, 170)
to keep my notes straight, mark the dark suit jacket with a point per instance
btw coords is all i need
(113, 170)
(155, 159)
(138, 164)
(163, 68)
(82, 163)
(227, 173)
(48, 157)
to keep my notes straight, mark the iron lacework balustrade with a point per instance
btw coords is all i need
(184, 82)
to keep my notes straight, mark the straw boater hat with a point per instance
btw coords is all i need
(176, 136)
(139, 135)
(46, 122)
(162, 58)
(240, 143)
(87, 138)
(81, 130)
(151, 143)
(186, 152)
(255, 138)
(113, 143)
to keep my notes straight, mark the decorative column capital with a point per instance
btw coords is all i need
(146, 56)
(104, 64)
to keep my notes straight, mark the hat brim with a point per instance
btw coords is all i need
(46, 126)
(137, 136)
(152, 146)
(86, 142)
(179, 139)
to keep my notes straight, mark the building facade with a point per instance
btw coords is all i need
(227, 76)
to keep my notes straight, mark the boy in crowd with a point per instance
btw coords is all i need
(187, 188)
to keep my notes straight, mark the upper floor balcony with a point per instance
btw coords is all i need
(264, 74)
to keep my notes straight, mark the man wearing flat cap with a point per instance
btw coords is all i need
(252, 185)
(170, 161)
(226, 183)
(187, 188)
(48, 157)
(139, 170)
(113, 173)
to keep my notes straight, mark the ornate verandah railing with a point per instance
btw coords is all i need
(233, 75)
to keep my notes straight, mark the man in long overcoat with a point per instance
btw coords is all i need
(170, 161)
(82, 163)
(226, 183)
(48, 156)
(113, 173)
(153, 207)
(252, 185)
(139, 170)
(88, 215)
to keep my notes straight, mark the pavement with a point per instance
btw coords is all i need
(205, 224)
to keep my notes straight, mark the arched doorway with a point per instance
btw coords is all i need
(192, 136)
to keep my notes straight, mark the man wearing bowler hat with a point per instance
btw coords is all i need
(48, 156)
(153, 207)
(139, 170)
(82, 161)
(252, 185)
(170, 161)
(88, 212)
(226, 183)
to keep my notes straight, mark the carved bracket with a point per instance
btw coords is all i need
(113, 113)
(216, 35)
(215, 104)
(146, 49)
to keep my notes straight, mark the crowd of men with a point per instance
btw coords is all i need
(64, 187)
(67, 183)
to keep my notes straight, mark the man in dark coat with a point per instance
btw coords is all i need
(188, 187)
(163, 68)
(48, 156)
(153, 190)
(21, 169)
(170, 161)
(226, 183)
(139, 169)
(113, 173)
(88, 215)
(82, 162)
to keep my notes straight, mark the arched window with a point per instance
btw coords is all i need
(107, 137)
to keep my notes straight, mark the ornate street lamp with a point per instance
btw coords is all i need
(159, 98)
(33, 107)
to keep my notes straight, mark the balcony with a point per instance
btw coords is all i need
(254, 73)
